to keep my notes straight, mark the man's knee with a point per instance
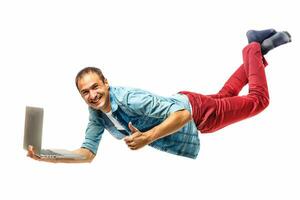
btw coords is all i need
(261, 102)
(265, 101)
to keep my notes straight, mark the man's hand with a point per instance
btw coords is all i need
(137, 139)
(31, 154)
(81, 151)
(170, 125)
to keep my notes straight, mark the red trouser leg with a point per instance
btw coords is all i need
(213, 112)
(235, 83)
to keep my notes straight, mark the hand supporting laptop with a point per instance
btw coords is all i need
(33, 142)
(89, 156)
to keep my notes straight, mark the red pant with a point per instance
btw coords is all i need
(213, 112)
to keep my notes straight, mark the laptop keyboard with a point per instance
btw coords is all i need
(48, 152)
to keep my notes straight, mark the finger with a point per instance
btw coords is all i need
(132, 128)
(131, 143)
(34, 157)
(30, 148)
(133, 148)
(128, 139)
(30, 151)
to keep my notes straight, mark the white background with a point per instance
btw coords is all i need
(161, 46)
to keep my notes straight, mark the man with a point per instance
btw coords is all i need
(171, 124)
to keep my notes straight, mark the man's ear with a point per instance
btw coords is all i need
(106, 83)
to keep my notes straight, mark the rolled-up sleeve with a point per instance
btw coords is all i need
(93, 135)
(146, 103)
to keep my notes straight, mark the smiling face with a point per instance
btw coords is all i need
(94, 91)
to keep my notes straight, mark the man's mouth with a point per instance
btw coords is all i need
(96, 100)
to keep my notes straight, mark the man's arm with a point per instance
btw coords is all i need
(170, 125)
(89, 156)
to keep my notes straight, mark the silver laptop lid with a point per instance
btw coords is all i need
(33, 128)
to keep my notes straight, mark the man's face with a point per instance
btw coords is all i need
(94, 91)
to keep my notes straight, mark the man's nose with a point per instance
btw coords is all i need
(93, 94)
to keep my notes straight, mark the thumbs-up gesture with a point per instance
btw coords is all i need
(137, 139)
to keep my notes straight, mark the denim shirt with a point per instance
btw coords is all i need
(145, 110)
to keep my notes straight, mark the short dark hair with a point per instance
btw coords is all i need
(88, 70)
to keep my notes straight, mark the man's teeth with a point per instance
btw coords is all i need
(96, 100)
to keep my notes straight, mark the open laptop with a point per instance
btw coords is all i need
(33, 136)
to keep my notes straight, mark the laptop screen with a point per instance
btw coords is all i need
(33, 128)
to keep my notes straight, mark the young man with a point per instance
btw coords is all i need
(171, 124)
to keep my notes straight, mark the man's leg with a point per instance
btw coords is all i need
(269, 39)
(213, 113)
(233, 109)
(239, 79)
(234, 84)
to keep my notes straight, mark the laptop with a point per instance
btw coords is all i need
(33, 136)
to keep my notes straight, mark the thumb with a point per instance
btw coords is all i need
(132, 128)
(30, 150)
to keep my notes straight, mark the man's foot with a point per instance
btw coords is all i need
(259, 36)
(274, 41)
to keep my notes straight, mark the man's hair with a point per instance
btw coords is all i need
(88, 70)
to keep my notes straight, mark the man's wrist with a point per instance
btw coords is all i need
(150, 136)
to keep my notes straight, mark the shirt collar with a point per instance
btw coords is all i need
(113, 103)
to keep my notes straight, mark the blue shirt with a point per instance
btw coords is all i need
(145, 110)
